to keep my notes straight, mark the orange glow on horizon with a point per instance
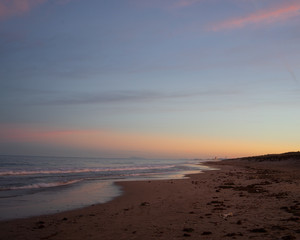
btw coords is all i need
(155, 145)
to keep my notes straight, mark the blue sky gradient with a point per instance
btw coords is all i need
(204, 71)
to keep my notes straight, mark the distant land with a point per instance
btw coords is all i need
(273, 157)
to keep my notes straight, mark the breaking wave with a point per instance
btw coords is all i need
(41, 185)
(84, 170)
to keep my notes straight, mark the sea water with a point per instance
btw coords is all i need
(31, 185)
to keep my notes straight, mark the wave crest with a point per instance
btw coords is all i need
(41, 185)
(84, 170)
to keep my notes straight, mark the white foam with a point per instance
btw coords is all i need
(41, 185)
(84, 170)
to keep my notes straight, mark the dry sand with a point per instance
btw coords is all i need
(245, 199)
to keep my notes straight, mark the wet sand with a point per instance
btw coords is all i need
(245, 199)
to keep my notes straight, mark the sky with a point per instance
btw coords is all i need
(149, 78)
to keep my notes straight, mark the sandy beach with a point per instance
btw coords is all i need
(252, 198)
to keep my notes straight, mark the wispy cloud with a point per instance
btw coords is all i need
(289, 68)
(107, 97)
(10, 8)
(166, 4)
(267, 16)
(49, 97)
(185, 3)
(130, 97)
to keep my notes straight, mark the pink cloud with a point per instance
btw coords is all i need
(10, 8)
(24, 134)
(267, 16)
(16, 7)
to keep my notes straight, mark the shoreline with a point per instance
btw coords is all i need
(213, 204)
(108, 191)
(27, 196)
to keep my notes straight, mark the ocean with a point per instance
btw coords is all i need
(32, 185)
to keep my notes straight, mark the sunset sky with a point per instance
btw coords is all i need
(149, 78)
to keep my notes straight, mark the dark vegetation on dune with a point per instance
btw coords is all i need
(294, 156)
